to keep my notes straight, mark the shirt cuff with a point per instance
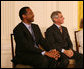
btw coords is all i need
(62, 50)
(43, 52)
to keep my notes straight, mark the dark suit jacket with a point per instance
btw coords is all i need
(24, 41)
(58, 40)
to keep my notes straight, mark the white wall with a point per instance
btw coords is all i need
(42, 11)
(7, 25)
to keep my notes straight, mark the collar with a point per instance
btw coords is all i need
(27, 25)
(57, 25)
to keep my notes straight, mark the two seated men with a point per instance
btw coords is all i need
(57, 43)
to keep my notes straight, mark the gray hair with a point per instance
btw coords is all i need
(54, 15)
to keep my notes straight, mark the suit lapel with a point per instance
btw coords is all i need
(56, 29)
(26, 30)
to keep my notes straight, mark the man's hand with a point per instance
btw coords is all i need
(69, 53)
(49, 54)
(53, 54)
(72, 53)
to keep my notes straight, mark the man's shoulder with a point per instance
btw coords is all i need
(50, 28)
(34, 24)
(64, 27)
(18, 26)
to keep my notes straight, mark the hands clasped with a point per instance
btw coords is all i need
(69, 53)
(53, 54)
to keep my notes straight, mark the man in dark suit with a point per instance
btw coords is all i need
(28, 37)
(59, 39)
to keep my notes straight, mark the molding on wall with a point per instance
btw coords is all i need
(5, 46)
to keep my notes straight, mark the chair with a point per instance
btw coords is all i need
(13, 54)
(71, 64)
(77, 45)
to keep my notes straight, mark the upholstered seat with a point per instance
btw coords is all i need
(23, 66)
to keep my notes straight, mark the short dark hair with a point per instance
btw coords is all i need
(23, 11)
(54, 14)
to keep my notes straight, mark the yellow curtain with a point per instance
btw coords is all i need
(80, 12)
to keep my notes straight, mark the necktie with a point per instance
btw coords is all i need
(32, 33)
(60, 29)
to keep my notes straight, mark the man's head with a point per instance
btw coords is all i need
(57, 17)
(26, 13)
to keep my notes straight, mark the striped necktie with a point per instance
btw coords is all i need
(60, 29)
